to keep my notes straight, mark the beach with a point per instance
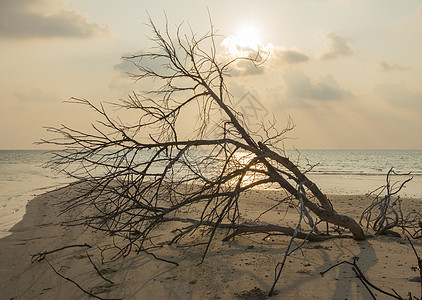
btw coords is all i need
(240, 269)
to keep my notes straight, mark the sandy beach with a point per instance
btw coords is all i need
(241, 269)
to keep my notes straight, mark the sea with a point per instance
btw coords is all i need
(22, 175)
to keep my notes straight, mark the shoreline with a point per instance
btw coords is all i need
(229, 270)
(329, 184)
(15, 208)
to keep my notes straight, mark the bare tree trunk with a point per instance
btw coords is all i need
(140, 175)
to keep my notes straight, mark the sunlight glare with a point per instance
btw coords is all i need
(241, 160)
(246, 41)
(248, 37)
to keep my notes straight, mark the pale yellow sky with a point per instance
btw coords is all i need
(348, 73)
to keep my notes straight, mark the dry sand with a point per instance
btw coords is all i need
(229, 271)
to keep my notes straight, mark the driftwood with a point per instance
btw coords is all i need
(239, 229)
(138, 175)
(385, 212)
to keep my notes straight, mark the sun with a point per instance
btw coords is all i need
(245, 41)
(249, 37)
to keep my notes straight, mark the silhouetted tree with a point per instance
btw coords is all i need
(140, 172)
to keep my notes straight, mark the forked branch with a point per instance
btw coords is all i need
(141, 173)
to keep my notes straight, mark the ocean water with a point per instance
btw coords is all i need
(22, 176)
(362, 171)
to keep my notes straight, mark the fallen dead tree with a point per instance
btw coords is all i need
(141, 172)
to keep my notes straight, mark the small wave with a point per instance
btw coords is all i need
(356, 173)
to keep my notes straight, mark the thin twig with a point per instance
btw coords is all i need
(419, 263)
(98, 271)
(160, 258)
(280, 266)
(362, 278)
(75, 283)
(42, 255)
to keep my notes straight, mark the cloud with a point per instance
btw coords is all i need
(127, 69)
(299, 86)
(235, 47)
(35, 95)
(44, 19)
(337, 46)
(386, 67)
(246, 67)
(400, 95)
(289, 56)
(123, 70)
(294, 56)
(127, 66)
(245, 46)
(277, 58)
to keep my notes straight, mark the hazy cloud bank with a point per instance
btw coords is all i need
(386, 67)
(293, 56)
(278, 58)
(336, 46)
(43, 19)
(35, 95)
(400, 95)
(300, 86)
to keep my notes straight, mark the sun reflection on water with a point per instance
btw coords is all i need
(242, 160)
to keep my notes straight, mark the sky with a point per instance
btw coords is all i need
(347, 72)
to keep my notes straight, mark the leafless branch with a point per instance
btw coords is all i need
(42, 255)
(385, 211)
(135, 175)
